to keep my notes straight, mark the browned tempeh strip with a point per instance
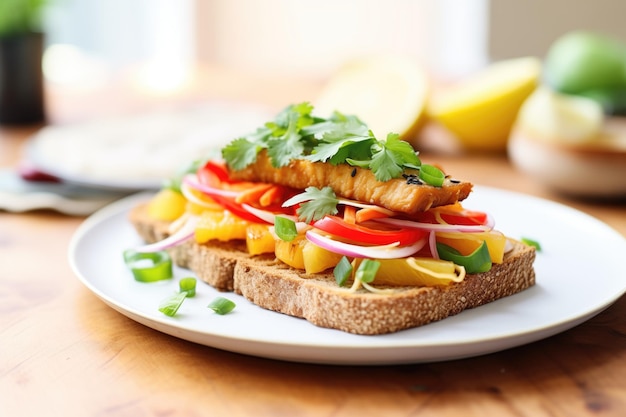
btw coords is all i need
(355, 183)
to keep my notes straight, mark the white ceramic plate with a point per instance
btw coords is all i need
(136, 152)
(579, 273)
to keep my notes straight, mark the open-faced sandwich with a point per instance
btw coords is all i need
(317, 218)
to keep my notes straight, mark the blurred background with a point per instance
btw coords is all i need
(158, 42)
(121, 57)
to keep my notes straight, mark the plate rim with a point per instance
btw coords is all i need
(376, 354)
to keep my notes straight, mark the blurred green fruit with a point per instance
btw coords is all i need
(612, 100)
(581, 61)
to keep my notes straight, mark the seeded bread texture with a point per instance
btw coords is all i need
(275, 286)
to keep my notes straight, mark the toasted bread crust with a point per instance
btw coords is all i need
(317, 298)
(275, 286)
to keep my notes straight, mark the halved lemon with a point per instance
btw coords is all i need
(387, 92)
(558, 117)
(481, 109)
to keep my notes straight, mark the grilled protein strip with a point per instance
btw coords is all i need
(404, 195)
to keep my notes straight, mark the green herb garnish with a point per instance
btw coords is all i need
(432, 175)
(317, 203)
(221, 305)
(342, 271)
(188, 286)
(531, 242)
(296, 134)
(241, 152)
(149, 266)
(391, 156)
(285, 228)
(288, 146)
(475, 262)
(187, 289)
(366, 272)
(171, 304)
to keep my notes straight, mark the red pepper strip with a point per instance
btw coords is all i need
(454, 215)
(213, 172)
(362, 234)
(236, 209)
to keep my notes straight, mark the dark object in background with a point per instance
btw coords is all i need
(21, 79)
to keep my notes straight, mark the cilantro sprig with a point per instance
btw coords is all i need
(314, 203)
(296, 134)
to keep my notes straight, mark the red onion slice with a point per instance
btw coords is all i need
(461, 228)
(375, 252)
(192, 181)
(432, 244)
(184, 233)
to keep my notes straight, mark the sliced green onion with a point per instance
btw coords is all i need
(477, 261)
(531, 242)
(342, 271)
(432, 175)
(366, 272)
(188, 286)
(149, 266)
(221, 305)
(171, 304)
(285, 228)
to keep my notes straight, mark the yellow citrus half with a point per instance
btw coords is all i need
(481, 109)
(389, 93)
(556, 117)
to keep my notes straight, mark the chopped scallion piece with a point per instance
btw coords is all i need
(475, 262)
(342, 271)
(221, 305)
(285, 228)
(188, 286)
(149, 266)
(171, 304)
(531, 242)
(432, 175)
(366, 272)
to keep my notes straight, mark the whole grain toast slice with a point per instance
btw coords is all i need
(213, 264)
(317, 298)
(272, 285)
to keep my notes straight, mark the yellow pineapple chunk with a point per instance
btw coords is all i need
(259, 239)
(220, 225)
(167, 205)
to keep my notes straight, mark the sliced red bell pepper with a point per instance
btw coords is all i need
(363, 234)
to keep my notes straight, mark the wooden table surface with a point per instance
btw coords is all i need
(63, 352)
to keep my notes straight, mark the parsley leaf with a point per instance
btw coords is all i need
(384, 165)
(402, 150)
(286, 147)
(296, 134)
(336, 144)
(338, 150)
(240, 153)
(317, 203)
(390, 156)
